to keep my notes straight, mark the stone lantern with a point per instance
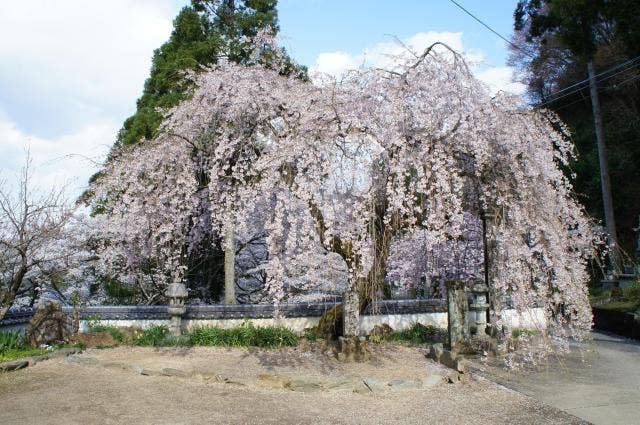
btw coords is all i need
(480, 306)
(177, 294)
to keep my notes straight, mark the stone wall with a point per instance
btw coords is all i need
(399, 314)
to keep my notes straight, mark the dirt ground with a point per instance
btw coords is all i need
(125, 385)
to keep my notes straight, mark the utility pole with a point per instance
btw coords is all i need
(607, 200)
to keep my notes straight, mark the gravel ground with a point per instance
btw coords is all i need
(222, 386)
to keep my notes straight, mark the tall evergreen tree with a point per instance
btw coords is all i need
(202, 33)
(556, 39)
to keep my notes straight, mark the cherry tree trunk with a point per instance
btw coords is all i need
(229, 266)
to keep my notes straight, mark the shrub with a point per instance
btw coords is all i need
(616, 292)
(245, 335)
(418, 334)
(116, 333)
(632, 293)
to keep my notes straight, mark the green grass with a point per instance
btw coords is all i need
(12, 347)
(19, 353)
(418, 334)
(10, 340)
(245, 335)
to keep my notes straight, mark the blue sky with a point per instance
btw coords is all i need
(352, 25)
(71, 70)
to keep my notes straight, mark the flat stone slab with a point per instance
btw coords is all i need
(14, 365)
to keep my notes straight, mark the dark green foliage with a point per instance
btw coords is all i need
(418, 334)
(245, 335)
(202, 33)
(562, 36)
(616, 292)
(193, 43)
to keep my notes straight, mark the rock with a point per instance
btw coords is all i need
(37, 359)
(379, 332)
(67, 351)
(436, 351)
(401, 384)
(433, 380)
(352, 349)
(169, 371)
(272, 381)
(114, 365)
(14, 365)
(448, 359)
(343, 384)
(50, 325)
(303, 385)
(374, 385)
(462, 365)
(86, 361)
(361, 388)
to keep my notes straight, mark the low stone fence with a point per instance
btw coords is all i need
(399, 314)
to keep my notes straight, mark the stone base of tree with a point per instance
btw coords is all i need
(352, 349)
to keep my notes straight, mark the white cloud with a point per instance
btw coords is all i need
(381, 55)
(87, 55)
(71, 71)
(65, 161)
(500, 79)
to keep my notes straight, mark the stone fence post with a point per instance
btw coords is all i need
(351, 316)
(177, 293)
(458, 309)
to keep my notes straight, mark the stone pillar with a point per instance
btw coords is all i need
(177, 293)
(351, 316)
(351, 346)
(480, 307)
(489, 229)
(458, 309)
(229, 265)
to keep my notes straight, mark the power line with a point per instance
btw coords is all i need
(630, 62)
(598, 75)
(491, 29)
(628, 80)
